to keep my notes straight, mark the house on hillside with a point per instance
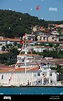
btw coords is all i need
(36, 28)
(54, 33)
(30, 37)
(39, 48)
(4, 41)
(48, 38)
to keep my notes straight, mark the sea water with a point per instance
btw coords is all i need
(31, 90)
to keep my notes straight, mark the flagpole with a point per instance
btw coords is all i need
(25, 55)
(25, 58)
(25, 52)
(38, 8)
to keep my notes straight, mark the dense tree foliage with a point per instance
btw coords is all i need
(53, 54)
(10, 57)
(14, 24)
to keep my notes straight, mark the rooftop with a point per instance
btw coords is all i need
(7, 69)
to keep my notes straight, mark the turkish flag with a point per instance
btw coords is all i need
(22, 42)
(37, 8)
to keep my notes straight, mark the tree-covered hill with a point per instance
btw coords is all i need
(14, 24)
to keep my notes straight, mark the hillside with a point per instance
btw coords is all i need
(14, 24)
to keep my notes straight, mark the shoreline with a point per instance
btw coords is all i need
(29, 86)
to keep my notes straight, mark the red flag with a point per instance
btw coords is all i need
(22, 42)
(37, 8)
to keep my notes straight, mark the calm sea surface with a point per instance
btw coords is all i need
(32, 90)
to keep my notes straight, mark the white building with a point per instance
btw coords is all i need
(32, 76)
(54, 33)
(39, 48)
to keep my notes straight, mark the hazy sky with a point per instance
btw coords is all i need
(49, 9)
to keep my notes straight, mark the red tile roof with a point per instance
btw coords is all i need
(7, 69)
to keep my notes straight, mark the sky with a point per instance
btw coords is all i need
(49, 9)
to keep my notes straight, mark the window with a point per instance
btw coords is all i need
(50, 74)
(38, 74)
(35, 74)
